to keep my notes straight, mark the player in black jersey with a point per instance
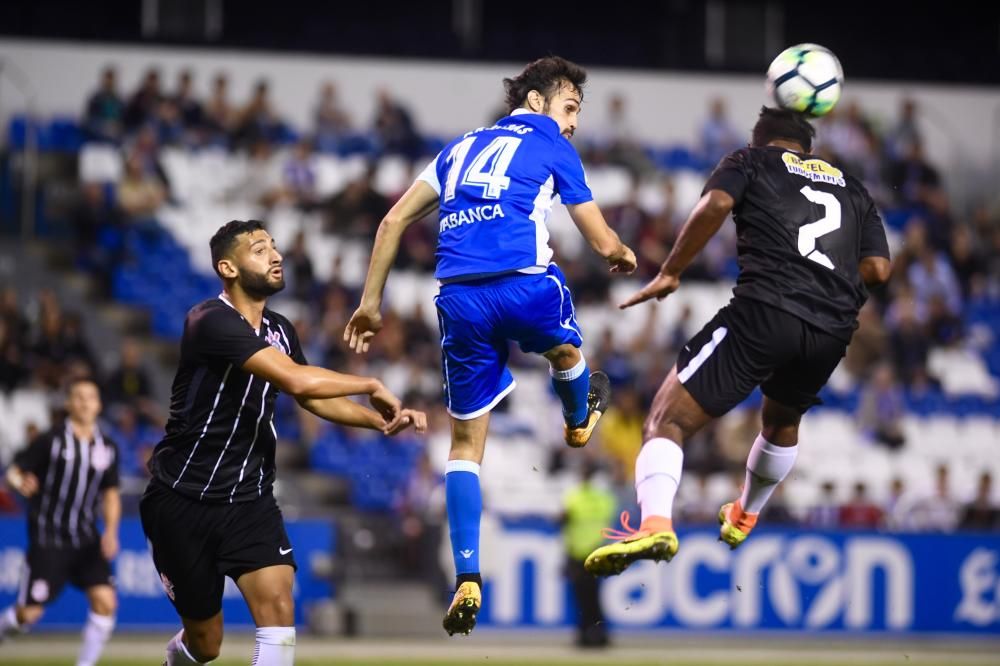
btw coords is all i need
(209, 511)
(809, 243)
(66, 474)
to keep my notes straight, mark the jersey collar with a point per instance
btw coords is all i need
(522, 111)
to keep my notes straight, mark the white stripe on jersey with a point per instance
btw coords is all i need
(22, 590)
(284, 337)
(88, 500)
(444, 361)
(43, 512)
(236, 423)
(256, 431)
(81, 484)
(74, 459)
(211, 413)
(540, 215)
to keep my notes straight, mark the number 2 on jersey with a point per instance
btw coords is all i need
(809, 233)
(487, 170)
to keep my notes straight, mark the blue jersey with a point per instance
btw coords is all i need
(497, 185)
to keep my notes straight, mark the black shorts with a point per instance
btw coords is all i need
(750, 343)
(47, 570)
(195, 545)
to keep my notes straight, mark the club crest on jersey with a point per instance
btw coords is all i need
(274, 339)
(815, 170)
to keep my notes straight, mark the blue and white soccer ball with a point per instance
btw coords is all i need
(807, 78)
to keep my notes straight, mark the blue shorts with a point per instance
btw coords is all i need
(479, 318)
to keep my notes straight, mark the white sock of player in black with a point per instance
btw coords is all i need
(275, 646)
(767, 466)
(9, 624)
(177, 652)
(96, 633)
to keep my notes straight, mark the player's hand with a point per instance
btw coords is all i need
(406, 418)
(624, 261)
(24, 483)
(387, 405)
(109, 545)
(362, 327)
(659, 288)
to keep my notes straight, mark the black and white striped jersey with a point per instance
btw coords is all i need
(220, 437)
(71, 475)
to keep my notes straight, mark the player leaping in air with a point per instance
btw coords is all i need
(810, 243)
(494, 188)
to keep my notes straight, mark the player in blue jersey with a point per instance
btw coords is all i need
(493, 188)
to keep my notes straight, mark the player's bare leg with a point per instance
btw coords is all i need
(100, 623)
(199, 642)
(268, 593)
(585, 396)
(17, 619)
(465, 506)
(769, 462)
(673, 417)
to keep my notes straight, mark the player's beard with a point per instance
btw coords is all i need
(260, 285)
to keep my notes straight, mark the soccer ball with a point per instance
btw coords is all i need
(805, 78)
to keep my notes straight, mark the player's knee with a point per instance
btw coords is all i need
(204, 645)
(666, 426)
(563, 357)
(105, 604)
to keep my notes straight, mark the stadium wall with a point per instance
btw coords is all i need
(780, 581)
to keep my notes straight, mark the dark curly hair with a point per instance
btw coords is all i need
(782, 124)
(224, 240)
(546, 76)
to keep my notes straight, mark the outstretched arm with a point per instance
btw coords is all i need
(418, 201)
(602, 239)
(703, 223)
(349, 413)
(308, 382)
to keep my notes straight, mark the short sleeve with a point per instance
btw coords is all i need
(873, 240)
(34, 456)
(568, 176)
(732, 175)
(221, 333)
(430, 176)
(110, 478)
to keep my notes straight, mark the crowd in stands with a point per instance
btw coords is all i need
(944, 294)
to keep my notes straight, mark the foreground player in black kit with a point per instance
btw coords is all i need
(209, 511)
(810, 243)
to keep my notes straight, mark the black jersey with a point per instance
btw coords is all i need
(803, 226)
(220, 437)
(71, 475)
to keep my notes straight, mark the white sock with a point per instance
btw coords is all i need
(767, 465)
(9, 624)
(177, 652)
(657, 475)
(275, 646)
(96, 633)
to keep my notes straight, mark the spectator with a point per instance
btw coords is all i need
(14, 369)
(621, 432)
(932, 276)
(869, 345)
(103, 119)
(905, 134)
(299, 268)
(298, 176)
(357, 210)
(881, 408)
(776, 512)
(140, 194)
(617, 143)
(220, 116)
(393, 127)
(981, 513)
(718, 136)
(896, 514)
(129, 384)
(258, 119)
(967, 258)
(332, 123)
(421, 512)
(825, 513)
(908, 339)
(144, 104)
(860, 512)
(938, 512)
(912, 178)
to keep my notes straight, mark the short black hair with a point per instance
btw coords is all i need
(544, 75)
(224, 240)
(782, 124)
